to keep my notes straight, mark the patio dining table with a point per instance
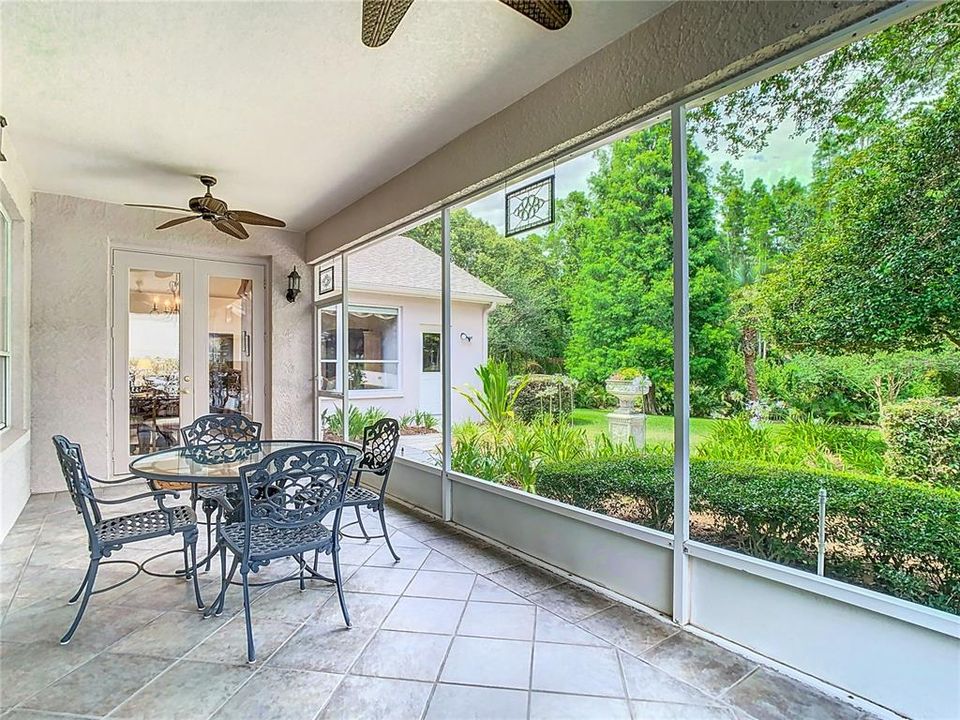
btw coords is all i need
(216, 463)
(213, 464)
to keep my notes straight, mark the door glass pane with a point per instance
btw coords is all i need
(431, 352)
(328, 348)
(154, 360)
(230, 345)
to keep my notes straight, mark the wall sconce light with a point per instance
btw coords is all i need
(293, 285)
(465, 337)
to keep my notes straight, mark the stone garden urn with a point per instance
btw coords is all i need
(626, 423)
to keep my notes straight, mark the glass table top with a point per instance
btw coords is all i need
(217, 462)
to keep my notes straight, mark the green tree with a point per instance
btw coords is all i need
(793, 215)
(882, 270)
(620, 291)
(732, 204)
(849, 92)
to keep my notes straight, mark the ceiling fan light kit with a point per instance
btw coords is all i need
(216, 212)
(381, 17)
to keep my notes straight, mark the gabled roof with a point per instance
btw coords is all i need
(403, 266)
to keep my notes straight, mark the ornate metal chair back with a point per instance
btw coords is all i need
(380, 442)
(295, 487)
(230, 427)
(78, 482)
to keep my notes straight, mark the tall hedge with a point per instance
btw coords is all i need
(897, 537)
(923, 440)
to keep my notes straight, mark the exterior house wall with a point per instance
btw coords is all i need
(70, 334)
(16, 439)
(415, 313)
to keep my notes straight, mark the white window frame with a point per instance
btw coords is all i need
(398, 363)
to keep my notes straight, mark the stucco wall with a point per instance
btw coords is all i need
(689, 47)
(70, 335)
(415, 312)
(16, 439)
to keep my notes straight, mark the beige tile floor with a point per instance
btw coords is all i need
(456, 630)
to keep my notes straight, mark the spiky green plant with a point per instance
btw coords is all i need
(495, 398)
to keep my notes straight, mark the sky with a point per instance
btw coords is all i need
(784, 156)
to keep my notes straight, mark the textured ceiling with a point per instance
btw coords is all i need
(124, 102)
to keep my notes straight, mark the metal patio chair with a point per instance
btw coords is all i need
(107, 535)
(380, 442)
(286, 496)
(217, 429)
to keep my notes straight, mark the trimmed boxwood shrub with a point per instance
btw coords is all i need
(890, 535)
(923, 440)
(544, 395)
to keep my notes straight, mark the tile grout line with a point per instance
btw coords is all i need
(263, 663)
(172, 665)
(739, 680)
(184, 657)
(623, 682)
(446, 655)
(533, 659)
(94, 656)
(23, 567)
(353, 663)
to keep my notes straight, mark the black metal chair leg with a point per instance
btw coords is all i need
(336, 575)
(196, 580)
(316, 560)
(303, 564)
(79, 592)
(225, 577)
(87, 592)
(225, 580)
(251, 651)
(360, 522)
(186, 560)
(386, 535)
(208, 511)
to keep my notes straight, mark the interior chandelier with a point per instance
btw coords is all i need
(169, 307)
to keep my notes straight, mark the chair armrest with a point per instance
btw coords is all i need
(118, 481)
(159, 494)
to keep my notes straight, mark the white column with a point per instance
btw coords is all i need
(681, 370)
(446, 362)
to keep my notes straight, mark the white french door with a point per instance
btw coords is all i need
(188, 340)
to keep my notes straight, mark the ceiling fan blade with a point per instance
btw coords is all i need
(551, 14)
(232, 228)
(177, 221)
(380, 19)
(252, 218)
(158, 207)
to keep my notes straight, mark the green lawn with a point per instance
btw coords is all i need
(659, 427)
